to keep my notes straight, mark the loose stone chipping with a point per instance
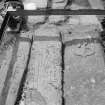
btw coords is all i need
(43, 83)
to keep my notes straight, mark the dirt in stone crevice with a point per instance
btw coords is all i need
(63, 68)
(20, 91)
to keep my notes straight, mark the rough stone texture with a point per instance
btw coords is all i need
(5, 58)
(82, 19)
(35, 19)
(84, 3)
(81, 86)
(15, 66)
(76, 7)
(3, 10)
(96, 4)
(54, 19)
(39, 3)
(18, 70)
(103, 1)
(1, 20)
(43, 83)
(80, 32)
(57, 4)
(84, 73)
(88, 4)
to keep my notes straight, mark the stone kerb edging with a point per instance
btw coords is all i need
(16, 70)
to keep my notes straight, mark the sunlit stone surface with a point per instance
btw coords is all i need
(83, 61)
(83, 69)
(39, 3)
(43, 83)
(1, 20)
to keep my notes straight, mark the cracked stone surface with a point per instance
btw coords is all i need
(38, 53)
(12, 69)
(82, 63)
(18, 71)
(44, 76)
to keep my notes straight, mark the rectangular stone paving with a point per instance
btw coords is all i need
(83, 59)
(13, 69)
(58, 61)
(43, 83)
